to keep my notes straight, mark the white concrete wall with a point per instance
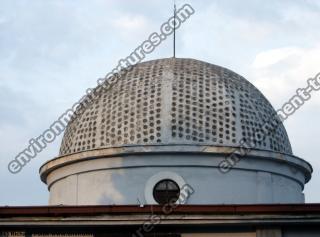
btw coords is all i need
(123, 180)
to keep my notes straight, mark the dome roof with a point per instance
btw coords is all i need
(174, 101)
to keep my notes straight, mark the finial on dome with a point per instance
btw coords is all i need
(174, 29)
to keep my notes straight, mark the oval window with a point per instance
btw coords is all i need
(166, 191)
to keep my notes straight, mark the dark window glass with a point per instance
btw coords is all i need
(166, 191)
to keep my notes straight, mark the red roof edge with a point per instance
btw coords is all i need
(182, 209)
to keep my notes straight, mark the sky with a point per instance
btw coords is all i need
(52, 51)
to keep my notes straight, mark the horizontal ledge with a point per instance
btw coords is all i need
(169, 149)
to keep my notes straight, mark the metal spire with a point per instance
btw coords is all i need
(174, 30)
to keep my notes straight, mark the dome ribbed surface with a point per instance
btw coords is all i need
(175, 101)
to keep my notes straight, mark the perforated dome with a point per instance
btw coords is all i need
(175, 101)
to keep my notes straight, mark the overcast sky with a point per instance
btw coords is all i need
(51, 51)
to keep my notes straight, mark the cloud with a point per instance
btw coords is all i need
(131, 23)
(279, 72)
(132, 27)
(274, 56)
